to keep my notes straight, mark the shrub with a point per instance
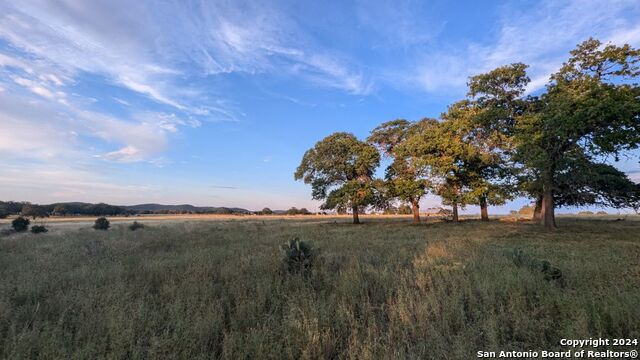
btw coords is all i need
(526, 210)
(298, 256)
(34, 211)
(20, 224)
(549, 272)
(37, 229)
(135, 226)
(404, 209)
(101, 224)
(391, 210)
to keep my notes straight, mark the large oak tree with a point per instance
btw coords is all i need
(403, 179)
(591, 106)
(340, 170)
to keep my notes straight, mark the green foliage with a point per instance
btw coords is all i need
(267, 211)
(20, 224)
(295, 211)
(390, 210)
(340, 170)
(590, 109)
(101, 224)
(549, 272)
(135, 226)
(404, 209)
(12, 207)
(34, 211)
(586, 182)
(37, 229)
(61, 210)
(439, 154)
(475, 138)
(298, 256)
(404, 180)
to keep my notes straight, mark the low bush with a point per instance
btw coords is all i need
(135, 226)
(20, 224)
(101, 224)
(298, 256)
(549, 272)
(37, 229)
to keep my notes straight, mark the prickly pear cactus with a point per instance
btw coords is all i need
(297, 256)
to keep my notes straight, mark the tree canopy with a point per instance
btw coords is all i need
(403, 179)
(590, 108)
(498, 143)
(340, 170)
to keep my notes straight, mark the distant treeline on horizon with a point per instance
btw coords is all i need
(28, 209)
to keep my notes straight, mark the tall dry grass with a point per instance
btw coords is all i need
(379, 290)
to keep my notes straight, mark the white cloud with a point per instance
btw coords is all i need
(52, 182)
(398, 23)
(126, 154)
(39, 88)
(151, 48)
(123, 102)
(540, 37)
(41, 129)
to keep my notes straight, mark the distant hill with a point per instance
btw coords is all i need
(183, 208)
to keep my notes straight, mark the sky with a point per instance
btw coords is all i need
(214, 103)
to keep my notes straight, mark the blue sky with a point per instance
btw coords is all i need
(214, 102)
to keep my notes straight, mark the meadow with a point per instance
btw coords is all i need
(385, 289)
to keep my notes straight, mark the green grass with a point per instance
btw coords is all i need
(378, 290)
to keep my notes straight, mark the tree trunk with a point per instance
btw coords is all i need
(484, 213)
(548, 210)
(455, 211)
(415, 208)
(356, 219)
(537, 211)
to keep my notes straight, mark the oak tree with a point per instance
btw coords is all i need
(340, 170)
(591, 106)
(403, 180)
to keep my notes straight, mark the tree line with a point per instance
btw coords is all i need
(34, 211)
(498, 143)
(60, 209)
(27, 209)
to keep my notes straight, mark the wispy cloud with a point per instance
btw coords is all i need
(67, 128)
(541, 37)
(53, 182)
(398, 23)
(148, 47)
(224, 187)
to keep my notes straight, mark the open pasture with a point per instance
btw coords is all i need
(383, 289)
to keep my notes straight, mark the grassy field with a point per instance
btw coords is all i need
(384, 289)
